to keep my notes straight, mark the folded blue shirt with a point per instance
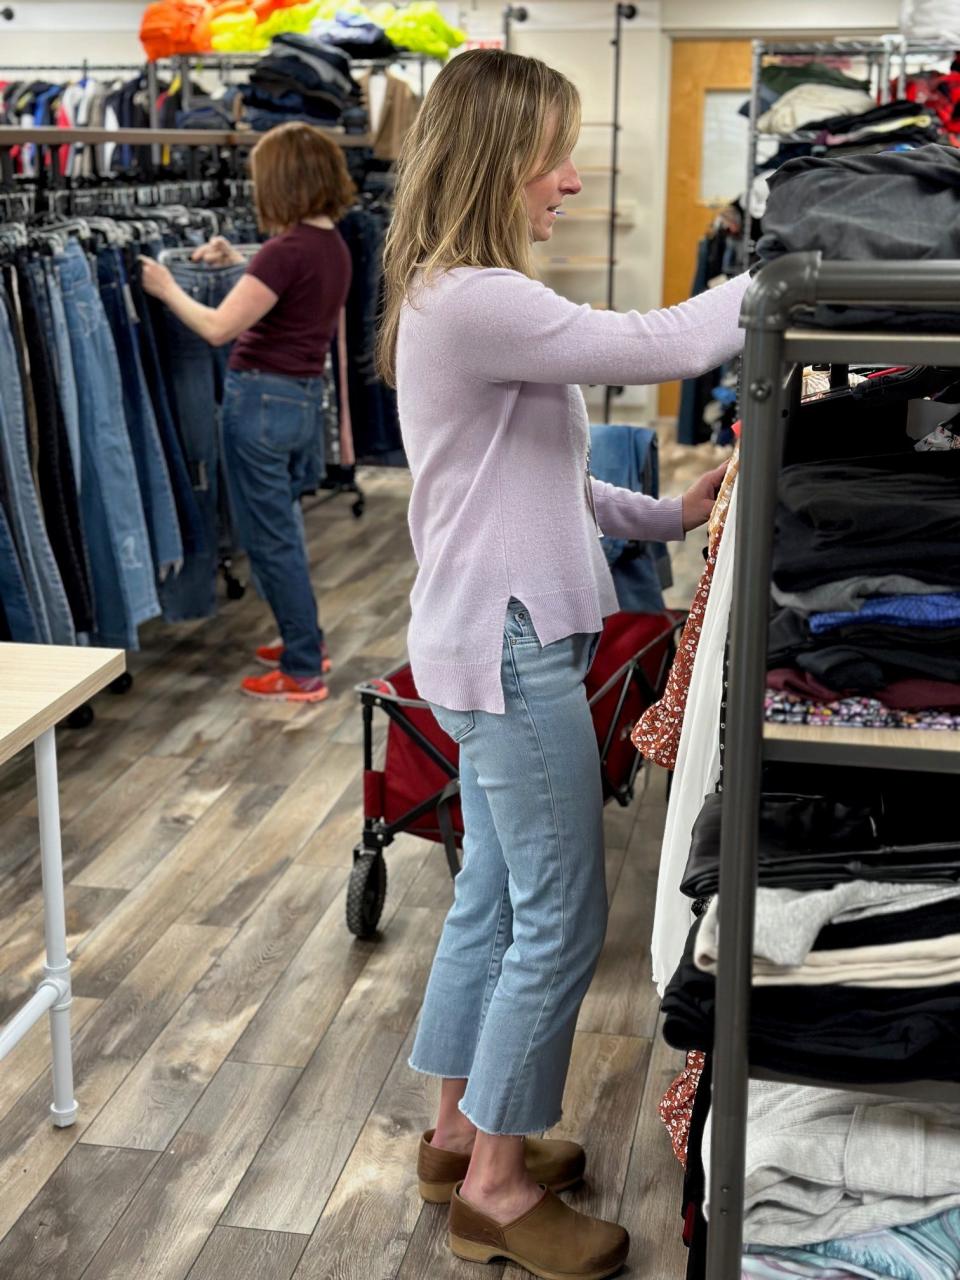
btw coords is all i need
(898, 611)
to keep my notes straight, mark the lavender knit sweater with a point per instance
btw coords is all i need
(496, 433)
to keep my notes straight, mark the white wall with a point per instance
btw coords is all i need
(44, 32)
(779, 17)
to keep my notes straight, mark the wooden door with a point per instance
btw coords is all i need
(700, 68)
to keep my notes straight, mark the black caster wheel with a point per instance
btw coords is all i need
(358, 508)
(122, 684)
(81, 717)
(236, 589)
(366, 893)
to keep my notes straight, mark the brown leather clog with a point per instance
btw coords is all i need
(552, 1161)
(551, 1240)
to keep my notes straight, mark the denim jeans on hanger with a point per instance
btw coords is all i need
(156, 492)
(14, 596)
(124, 580)
(198, 371)
(63, 366)
(188, 513)
(41, 574)
(57, 481)
(271, 424)
(373, 405)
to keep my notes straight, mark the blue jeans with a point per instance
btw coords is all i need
(188, 513)
(198, 372)
(124, 580)
(59, 336)
(524, 934)
(156, 492)
(270, 429)
(48, 599)
(17, 608)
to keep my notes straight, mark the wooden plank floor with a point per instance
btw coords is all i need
(246, 1112)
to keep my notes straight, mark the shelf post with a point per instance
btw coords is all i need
(762, 443)
(621, 13)
(746, 245)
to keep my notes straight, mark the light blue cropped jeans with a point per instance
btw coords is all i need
(523, 936)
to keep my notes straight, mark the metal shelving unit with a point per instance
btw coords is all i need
(881, 56)
(774, 347)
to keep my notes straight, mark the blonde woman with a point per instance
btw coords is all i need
(507, 607)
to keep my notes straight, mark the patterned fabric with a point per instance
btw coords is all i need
(939, 438)
(899, 611)
(676, 1105)
(927, 1250)
(657, 732)
(851, 713)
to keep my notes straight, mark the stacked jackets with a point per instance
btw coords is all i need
(302, 78)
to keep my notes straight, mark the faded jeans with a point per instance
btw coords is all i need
(522, 939)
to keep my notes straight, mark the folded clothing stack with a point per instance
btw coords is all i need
(857, 936)
(866, 592)
(301, 78)
(842, 1185)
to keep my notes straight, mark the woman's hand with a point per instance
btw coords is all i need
(157, 280)
(699, 499)
(218, 252)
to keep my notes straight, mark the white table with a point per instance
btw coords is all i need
(39, 686)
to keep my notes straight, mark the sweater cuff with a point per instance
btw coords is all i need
(673, 520)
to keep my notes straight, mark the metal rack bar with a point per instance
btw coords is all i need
(782, 286)
(85, 67)
(14, 137)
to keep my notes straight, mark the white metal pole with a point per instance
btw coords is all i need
(57, 966)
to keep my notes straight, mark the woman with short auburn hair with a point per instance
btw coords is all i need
(507, 608)
(282, 317)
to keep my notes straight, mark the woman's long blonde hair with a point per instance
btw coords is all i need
(490, 121)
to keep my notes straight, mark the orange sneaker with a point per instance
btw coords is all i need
(269, 655)
(279, 687)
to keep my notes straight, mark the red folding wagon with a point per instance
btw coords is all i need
(418, 789)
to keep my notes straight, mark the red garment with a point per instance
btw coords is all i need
(657, 733)
(938, 91)
(914, 694)
(309, 270)
(676, 1105)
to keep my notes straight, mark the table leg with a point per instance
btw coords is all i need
(57, 966)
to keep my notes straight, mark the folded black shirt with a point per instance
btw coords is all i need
(813, 842)
(848, 1034)
(850, 517)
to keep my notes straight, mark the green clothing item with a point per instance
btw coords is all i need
(781, 78)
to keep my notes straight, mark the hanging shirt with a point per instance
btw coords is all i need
(309, 269)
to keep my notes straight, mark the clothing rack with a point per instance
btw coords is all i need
(881, 56)
(773, 349)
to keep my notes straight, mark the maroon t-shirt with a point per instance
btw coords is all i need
(308, 269)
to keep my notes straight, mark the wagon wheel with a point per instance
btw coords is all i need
(366, 892)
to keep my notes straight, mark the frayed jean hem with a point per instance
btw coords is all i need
(437, 1075)
(528, 1131)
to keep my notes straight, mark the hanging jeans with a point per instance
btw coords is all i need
(198, 372)
(41, 574)
(159, 507)
(271, 425)
(523, 936)
(188, 513)
(124, 580)
(58, 482)
(15, 604)
(59, 342)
